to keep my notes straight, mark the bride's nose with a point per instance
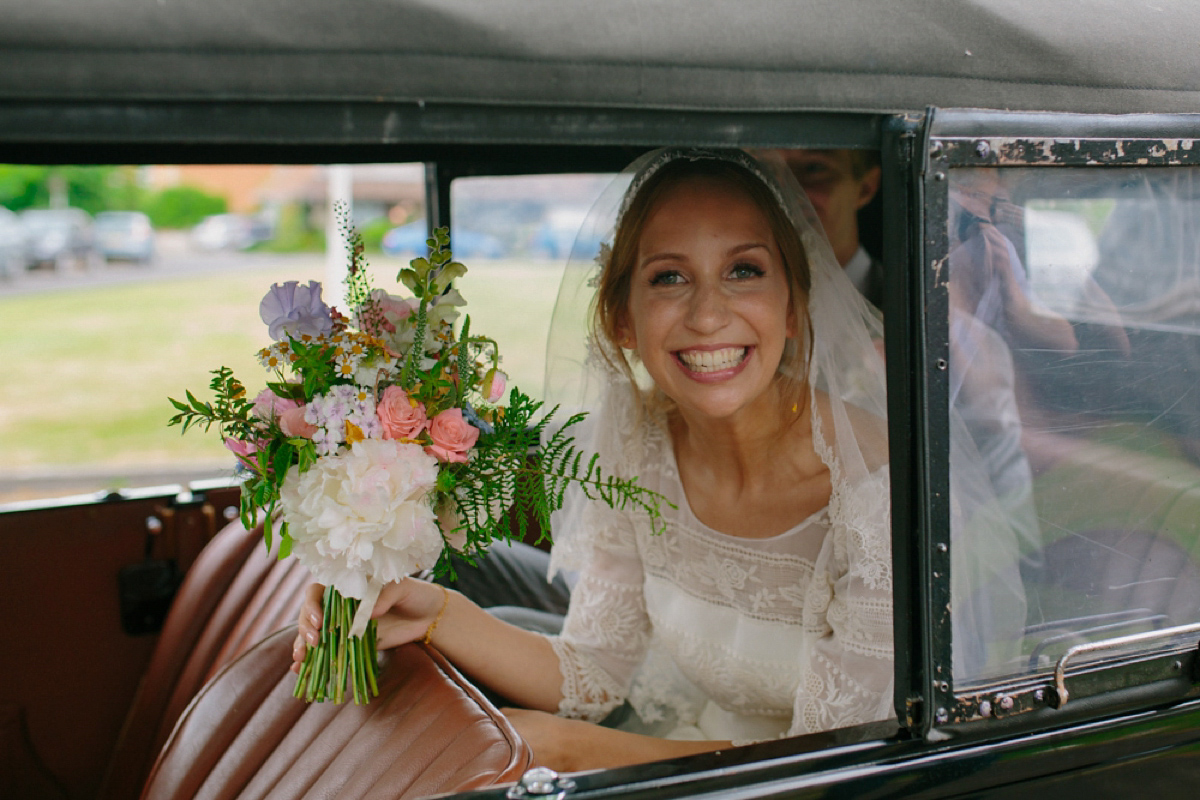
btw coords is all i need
(708, 309)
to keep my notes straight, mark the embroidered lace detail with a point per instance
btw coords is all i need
(761, 687)
(761, 585)
(830, 697)
(588, 691)
(795, 627)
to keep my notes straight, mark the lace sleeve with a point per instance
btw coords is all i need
(847, 677)
(606, 631)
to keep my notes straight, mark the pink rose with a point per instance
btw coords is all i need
(493, 385)
(293, 423)
(452, 436)
(401, 416)
(268, 405)
(394, 309)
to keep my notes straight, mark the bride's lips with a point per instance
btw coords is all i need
(714, 363)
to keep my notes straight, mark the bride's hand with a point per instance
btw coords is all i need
(404, 612)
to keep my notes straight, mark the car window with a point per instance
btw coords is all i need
(163, 294)
(1074, 300)
(515, 234)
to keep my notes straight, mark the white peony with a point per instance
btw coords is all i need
(364, 518)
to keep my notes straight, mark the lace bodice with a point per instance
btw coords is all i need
(720, 637)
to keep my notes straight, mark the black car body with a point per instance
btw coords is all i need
(1078, 107)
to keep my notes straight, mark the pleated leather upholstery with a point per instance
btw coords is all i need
(245, 736)
(233, 596)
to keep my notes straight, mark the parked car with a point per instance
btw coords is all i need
(229, 232)
(59, 237)
(409, 240)
(14, 244)
(125, 235)
(1092, 423)
(558, 235)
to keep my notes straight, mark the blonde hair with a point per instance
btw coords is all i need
(610, 307)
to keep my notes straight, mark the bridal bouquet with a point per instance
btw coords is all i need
(381, 438)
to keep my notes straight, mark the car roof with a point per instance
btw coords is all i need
(1095, 56)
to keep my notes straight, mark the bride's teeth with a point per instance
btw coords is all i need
(712, 360)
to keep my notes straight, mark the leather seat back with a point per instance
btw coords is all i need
(244, 736)
(234, 595)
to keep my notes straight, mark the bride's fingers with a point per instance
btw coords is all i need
(390, 595)
(393, 631)
(309, 623)
(298, 652)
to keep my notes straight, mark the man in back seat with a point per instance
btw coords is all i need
(839, 184)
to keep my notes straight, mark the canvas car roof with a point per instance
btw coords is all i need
(1101, 56)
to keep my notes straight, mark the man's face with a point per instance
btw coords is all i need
(827, 177)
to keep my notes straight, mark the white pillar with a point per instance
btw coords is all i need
(339, 193)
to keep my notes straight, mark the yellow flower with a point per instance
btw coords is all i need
(353, 433)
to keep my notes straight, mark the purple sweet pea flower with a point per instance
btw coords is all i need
(290, 309)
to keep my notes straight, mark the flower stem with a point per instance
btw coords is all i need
(340, 661)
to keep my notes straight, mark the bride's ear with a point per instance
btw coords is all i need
(624, 334)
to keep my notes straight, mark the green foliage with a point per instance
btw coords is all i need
(230, 411)
(182, 207)
(373, 233)
(313, 362)
(93, 189)
(293, 233)
(514, 469)
(358, 280)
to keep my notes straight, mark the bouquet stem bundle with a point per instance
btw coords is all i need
(339, 659)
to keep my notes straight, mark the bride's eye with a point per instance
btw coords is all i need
(666, 277)
(744, 271)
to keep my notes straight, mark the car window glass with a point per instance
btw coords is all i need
(515, 233)
(123, 286)
(1074, 355)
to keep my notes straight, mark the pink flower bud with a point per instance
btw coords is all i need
(293, 423)
(494, 383)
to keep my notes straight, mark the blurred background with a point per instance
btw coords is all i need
(123, 285)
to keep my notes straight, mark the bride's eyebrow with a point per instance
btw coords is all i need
(670, 257)
(651, 259)
(742, 248)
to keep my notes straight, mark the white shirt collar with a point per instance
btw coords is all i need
(858, 269)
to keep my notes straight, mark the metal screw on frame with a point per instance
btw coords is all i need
(541, 782)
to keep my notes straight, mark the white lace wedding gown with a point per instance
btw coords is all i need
(712, 636)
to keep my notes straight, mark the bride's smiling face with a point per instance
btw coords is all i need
(709, 306)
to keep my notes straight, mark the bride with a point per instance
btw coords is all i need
(738, 377)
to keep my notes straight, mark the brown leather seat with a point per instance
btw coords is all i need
(244, 736)
(234, 595)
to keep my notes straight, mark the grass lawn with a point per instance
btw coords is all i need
(87, 372)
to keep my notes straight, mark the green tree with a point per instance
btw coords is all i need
(182, 206)
(90, 188)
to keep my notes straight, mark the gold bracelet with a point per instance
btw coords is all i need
(438, 618)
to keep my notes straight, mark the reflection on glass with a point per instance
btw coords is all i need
(1075, 380)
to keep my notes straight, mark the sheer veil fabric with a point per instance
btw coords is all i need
(708, 635)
